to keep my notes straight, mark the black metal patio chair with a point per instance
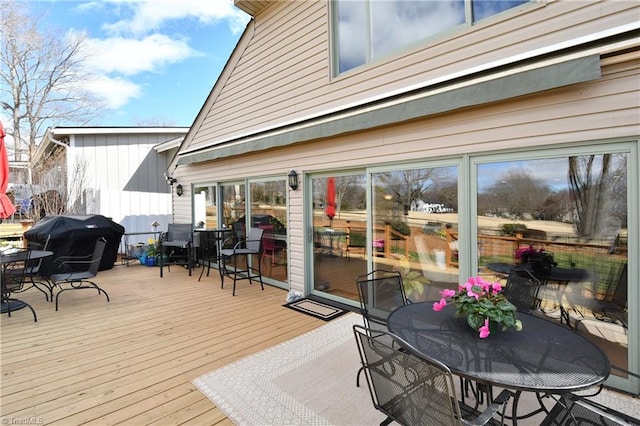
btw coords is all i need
(14, 280)
(522, 289)
(575, 410)
(613, 307)
(176, 247)
(33, 271)
(77, 272)
(237, 263)
(379, 292)
(412, 390)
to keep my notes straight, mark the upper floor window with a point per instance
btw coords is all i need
(365, 30)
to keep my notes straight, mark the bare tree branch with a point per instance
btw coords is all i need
(42, 78)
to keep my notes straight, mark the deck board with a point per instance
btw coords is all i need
(130, 361)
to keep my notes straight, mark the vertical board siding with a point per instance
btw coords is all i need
(126, 174)
(284, 73)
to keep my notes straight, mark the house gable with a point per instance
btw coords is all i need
(278, 80)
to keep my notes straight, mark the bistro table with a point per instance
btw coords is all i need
(211, 241)
(545, 357)
(325, 238)
(558, 275)
(21, 255)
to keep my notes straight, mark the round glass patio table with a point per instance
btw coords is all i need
(545, 357)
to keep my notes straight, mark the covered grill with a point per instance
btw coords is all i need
(75, 236)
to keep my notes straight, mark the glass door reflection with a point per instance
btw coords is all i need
(339, 243)
(268, 210)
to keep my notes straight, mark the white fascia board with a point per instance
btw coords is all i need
(65, 131)
(166, 146)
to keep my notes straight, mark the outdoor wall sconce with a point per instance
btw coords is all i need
(179, 190)
(293, 180)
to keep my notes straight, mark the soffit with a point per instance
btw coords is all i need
(252, 7)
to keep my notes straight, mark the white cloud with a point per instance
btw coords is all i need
(140, 39)
(149, 15)
(115, 91)
(132, 56)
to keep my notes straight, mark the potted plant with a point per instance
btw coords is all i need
(151, 252)
(487, 310)
(413, 280)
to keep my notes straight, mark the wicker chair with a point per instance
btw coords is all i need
(415, 391)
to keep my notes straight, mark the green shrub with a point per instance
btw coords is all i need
(401, 228)
(511, 229)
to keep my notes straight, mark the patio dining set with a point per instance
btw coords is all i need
(22, 269)
(412, 356)
(229, 249)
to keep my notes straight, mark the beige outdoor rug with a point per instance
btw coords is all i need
(308, 380)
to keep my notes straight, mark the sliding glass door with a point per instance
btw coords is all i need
(415, 227)
(233, 199)
(571, 209)
(268, 210)
(205, 206)
(339, 233)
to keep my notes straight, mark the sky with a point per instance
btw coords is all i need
(154, 61)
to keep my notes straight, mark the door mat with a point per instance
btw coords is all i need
(316, 309)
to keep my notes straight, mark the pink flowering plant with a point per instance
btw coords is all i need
(487, 310)
(529, 253)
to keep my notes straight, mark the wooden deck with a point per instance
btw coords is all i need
(131, 361)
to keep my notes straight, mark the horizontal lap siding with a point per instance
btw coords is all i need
(580, 112)
(284, 73)
(605, 109)
(589, 111)
(285, 57)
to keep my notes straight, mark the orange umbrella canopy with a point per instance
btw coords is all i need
(6, 206)
(331, 198)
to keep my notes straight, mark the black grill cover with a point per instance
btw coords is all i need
(75, 236)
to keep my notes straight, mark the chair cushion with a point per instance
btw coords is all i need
(231, 252)
(72, 276)
(180, 244)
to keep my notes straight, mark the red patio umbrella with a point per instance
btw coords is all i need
(331, 198)
(6, 206)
